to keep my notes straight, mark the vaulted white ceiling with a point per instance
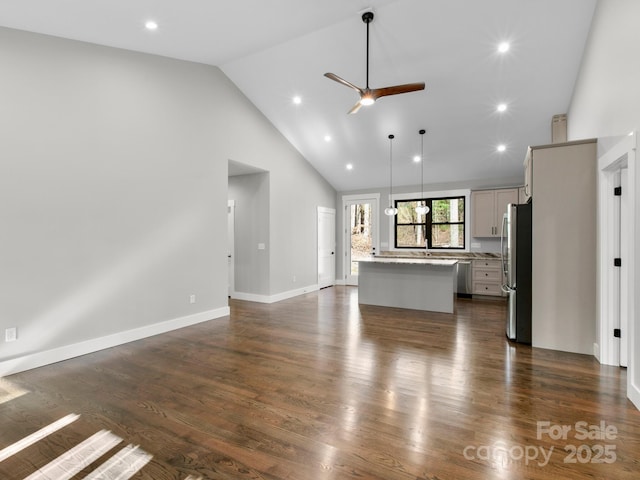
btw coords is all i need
(274, 50)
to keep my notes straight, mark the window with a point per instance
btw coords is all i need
(443, 227)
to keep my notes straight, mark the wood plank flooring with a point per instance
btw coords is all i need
(318, 387)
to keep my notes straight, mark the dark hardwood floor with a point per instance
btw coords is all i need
(318, 387)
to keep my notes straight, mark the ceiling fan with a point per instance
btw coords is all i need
(369, 95)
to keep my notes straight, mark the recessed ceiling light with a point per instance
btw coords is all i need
(501, 148)
(349, 166)
(503, 47)
(151, 25)
(502, 107)
(416, 159)
(297, 100)
(327, 138)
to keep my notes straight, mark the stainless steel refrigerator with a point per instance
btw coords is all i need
(516, 271)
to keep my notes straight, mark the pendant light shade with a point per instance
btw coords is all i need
(390, 210)
(422, 209)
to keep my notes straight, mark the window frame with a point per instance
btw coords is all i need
(428, 223)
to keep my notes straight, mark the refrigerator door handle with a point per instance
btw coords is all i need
(502, 255)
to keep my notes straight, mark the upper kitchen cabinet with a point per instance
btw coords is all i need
(488, 208)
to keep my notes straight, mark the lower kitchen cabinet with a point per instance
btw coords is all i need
(487, 278)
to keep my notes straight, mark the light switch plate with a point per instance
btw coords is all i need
(11, 334)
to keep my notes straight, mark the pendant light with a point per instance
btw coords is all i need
(390, 210)
(422, 209)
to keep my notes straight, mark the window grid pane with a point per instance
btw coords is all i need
(443, 226)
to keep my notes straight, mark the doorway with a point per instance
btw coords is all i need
(231, 213)
(615, 253)
(361, 232)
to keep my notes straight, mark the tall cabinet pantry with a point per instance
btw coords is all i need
(560, 179)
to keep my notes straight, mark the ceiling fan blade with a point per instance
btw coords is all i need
(396, 89)
(355, 108)
(336, 78)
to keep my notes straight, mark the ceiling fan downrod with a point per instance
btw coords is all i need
(367, 17)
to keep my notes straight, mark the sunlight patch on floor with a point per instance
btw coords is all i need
(121, 466)
(9, 391)
(82, 455)
(39, 435)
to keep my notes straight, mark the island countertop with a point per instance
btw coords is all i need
(409, 261)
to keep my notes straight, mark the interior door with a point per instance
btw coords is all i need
(361, 234)
(231, 207)
(326, 247)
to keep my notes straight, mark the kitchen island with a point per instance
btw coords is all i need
(415, 283)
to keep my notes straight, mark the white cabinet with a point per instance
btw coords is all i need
(487, 278)
(488, 208)
(564, 231)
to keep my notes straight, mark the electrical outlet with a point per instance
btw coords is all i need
(192, 298)
(11, 334)
(294, 279)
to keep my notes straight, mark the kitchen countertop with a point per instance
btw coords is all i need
(440, 255)
(395, 260)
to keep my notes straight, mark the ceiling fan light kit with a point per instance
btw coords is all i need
(367, 100)
(368, 96)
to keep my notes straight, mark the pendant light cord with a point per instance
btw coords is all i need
(421, 207)
(422, 132)
(391, 170)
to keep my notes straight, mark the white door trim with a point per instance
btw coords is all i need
(624, 268)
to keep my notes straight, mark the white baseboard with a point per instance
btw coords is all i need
(253, 297)
(47, 357)
(633, 393)
(341, 282)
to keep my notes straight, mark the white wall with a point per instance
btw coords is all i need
(606, 103)
(113, 195)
